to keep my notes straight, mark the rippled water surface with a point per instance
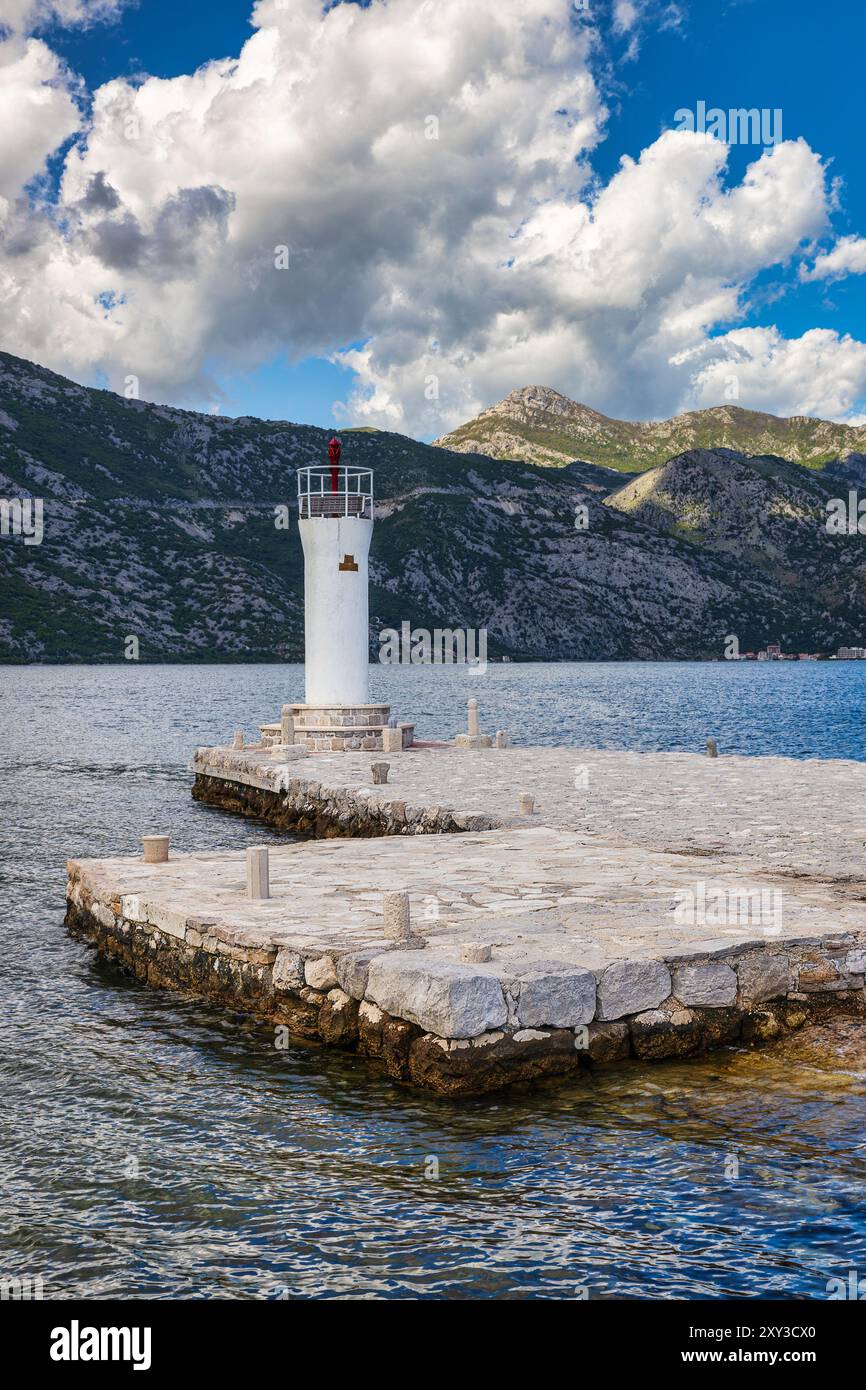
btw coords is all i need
(153, 1146)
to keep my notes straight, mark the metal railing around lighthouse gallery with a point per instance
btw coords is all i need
(324, 490)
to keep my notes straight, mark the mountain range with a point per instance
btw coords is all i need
(161, 524)
(541, 426)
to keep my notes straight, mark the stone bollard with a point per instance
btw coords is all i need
(258, 873)
(287, 725)
(392, 740)
(474, 953)
(155, 848)
(526, 803)
(501, 739)
(712, 748)
(380, 773)
(472, 725)
(396, 925)
(238, 739)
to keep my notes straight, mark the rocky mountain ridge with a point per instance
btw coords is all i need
(165, 525)
(539, 425)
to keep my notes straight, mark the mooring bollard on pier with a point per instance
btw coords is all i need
(712, 748)
(258, 873)
(287, 725)
(238, 741)
(472, 718)
(475, 953)
(526, 803)
(155, 848)
(472, 738)
(380, 773)
(396, 924)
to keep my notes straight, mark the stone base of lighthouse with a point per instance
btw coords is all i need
(341, 728)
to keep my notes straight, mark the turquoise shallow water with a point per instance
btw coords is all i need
(152, 1146)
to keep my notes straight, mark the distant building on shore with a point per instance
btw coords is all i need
(773, 652)
(851, 654)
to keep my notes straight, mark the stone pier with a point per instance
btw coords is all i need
(653, 905)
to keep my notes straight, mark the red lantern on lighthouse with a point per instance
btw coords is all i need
(334, 450)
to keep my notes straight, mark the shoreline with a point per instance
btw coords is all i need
(248, 660)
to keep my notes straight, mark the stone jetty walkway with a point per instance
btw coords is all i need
(651, 905)
(781, 813)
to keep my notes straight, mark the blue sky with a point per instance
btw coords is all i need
(803, 58)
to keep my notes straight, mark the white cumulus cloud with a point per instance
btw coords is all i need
(819, 373)
(24, 16)
(607, 300)
(37, 111)
(847, 257)
(625, 14)
(379, 145)
(427, 168)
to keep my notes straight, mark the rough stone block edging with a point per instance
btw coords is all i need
(310, 808)
(389, 1005)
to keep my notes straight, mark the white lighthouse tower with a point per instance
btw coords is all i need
(335, 518)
